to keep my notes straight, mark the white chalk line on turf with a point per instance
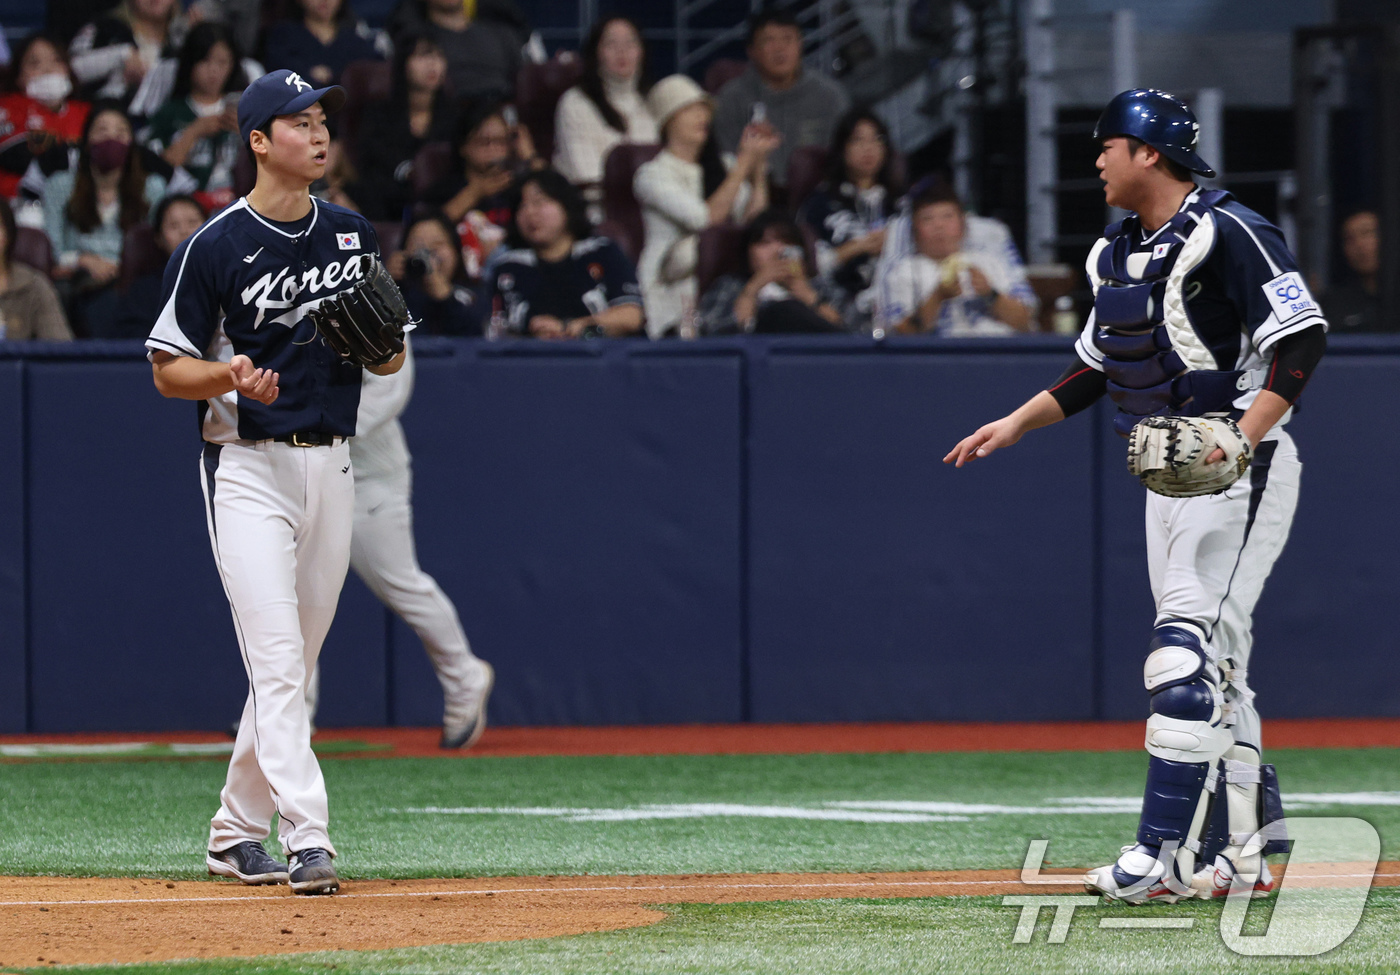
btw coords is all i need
(574, 890)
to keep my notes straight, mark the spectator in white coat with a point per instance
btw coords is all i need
(689, 186)
(607, 107)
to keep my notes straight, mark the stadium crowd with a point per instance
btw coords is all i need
(513, 195)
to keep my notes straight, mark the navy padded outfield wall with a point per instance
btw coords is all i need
(14, 637)
(676, 532)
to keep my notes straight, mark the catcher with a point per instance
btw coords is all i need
(1203, 334)
(244, 298)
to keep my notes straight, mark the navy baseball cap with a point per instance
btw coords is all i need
(282, 92)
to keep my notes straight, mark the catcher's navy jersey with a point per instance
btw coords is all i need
(242, 284)
(1245, 296)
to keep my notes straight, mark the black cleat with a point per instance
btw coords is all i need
(248, 862)
(311, 872)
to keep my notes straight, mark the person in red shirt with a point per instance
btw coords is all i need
(38, 120)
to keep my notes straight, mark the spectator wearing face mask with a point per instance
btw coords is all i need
(39, 120)
(88, 209)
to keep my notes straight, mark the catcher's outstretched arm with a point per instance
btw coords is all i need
(1040, 410)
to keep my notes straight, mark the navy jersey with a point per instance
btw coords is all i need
(242, 284)
(594, 277)
(1244, 297)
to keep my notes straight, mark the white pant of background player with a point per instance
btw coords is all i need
(382, 552)
(279, 522)
(1208, 559)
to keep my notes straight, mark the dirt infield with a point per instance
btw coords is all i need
(778, 739)
(50, 920)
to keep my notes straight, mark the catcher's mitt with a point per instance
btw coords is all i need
(1168, 454)
(365, 322)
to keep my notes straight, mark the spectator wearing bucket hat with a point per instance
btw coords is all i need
(690, 186)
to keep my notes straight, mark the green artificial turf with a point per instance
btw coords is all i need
(970, 935)
(151, 818)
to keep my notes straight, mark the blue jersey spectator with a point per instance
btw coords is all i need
(320, 39)
(558, 281)
(435, 288)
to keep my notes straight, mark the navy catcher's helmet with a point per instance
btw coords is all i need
(1159, 119)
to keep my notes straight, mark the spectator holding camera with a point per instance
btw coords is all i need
(29, 306)
(559, 281)
(848, 212)
(800, 106)
(429, 269)
(88, 209)
(198, 128)
(772, 293)
(689, 186)
(493, 150)
(962, 279)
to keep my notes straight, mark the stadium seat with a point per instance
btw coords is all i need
(140, 255)
(33, 248)
(720, 253)
(390, 234)
(619, 205)
(721, 72)
(538, 89)
(430, 166)
(804, 174)
(619, 235)
(364, 82)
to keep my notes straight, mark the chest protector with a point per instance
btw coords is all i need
(1153, 358)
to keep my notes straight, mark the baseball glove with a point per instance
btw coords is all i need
(364, 323)
(1168, 454)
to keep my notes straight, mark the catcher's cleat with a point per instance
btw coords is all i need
(1224, 877)
(1138, 877)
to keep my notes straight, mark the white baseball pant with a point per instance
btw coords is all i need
(382, 553)
(1208, 559)
(279, 521)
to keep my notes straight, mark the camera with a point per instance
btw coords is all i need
(419, 263)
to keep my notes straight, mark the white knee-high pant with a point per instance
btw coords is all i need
(1208, 559)
(279, 523)
(382, 553)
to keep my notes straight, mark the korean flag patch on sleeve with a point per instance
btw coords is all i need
(1289, 297)
(348, 242)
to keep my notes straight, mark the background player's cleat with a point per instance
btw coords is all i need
(249, 862)
(1215, 881)
(1136, 878)
(464, 717)
(312, 873)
